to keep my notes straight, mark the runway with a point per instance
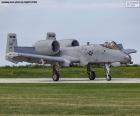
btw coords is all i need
(69, 80)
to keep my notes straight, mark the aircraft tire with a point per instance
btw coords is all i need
(55, 76)
(108, 78)
(92, 75)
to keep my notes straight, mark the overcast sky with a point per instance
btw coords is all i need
(86, 20)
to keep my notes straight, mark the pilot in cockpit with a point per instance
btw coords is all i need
(110, 45)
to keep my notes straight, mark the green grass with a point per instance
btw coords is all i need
(70, 99)
(43, 71)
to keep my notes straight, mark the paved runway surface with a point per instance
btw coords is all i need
(68, 80)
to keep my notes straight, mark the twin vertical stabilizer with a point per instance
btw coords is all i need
(11, 42)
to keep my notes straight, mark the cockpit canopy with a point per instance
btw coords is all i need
(111, 45)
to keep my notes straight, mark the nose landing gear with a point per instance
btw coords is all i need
(90, 72)
(107, 72)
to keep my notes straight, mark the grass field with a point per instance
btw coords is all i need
(78, 72)
(70, 99)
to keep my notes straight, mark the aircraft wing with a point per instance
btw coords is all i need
(35, 58)
(129, 51)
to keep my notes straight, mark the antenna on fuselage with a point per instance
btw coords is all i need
(88, 43)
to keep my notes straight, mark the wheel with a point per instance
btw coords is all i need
(108, 78)
(91, 75)
(55, 76)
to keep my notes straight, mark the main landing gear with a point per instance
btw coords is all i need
(55, 75)
(107, 72)
(90, 72)
(92, 75)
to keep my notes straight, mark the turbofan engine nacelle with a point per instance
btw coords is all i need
(47, 47)
(68, 43)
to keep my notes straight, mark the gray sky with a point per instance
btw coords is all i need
(86, 20)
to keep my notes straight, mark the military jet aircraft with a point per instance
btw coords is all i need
(68, 52)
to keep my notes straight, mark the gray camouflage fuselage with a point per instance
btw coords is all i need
(68, 52)
(94, 54)
(65, 52)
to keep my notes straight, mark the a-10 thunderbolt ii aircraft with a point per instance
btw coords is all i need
(68, 52)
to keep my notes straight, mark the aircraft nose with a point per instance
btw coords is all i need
(127, 58)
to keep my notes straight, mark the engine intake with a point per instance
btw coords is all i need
(68, 43)
(47, 47)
